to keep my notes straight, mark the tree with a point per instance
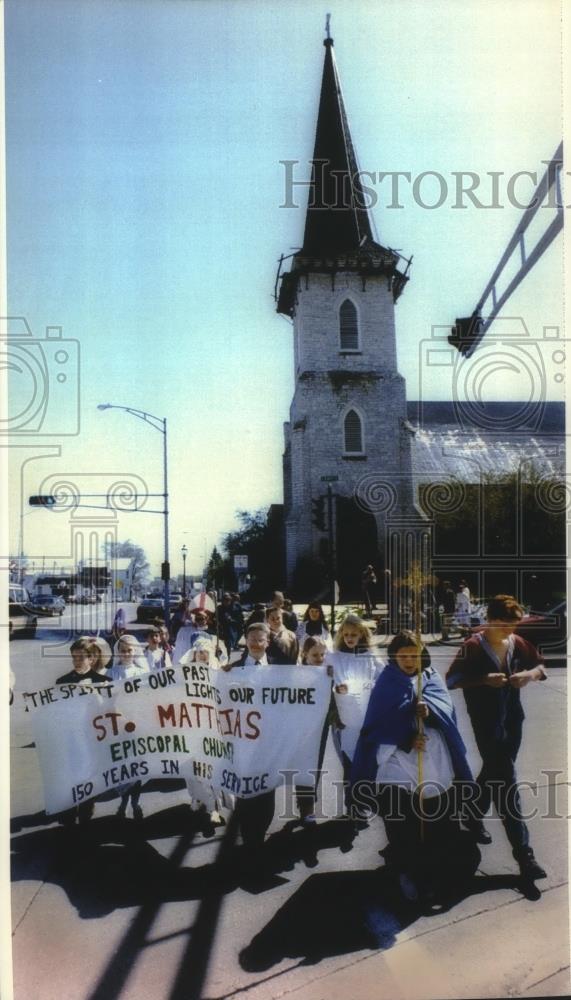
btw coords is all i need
(255, 540)
(129, 550)
(215, 570)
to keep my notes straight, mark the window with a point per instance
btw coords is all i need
(348, 327)
(353, 434)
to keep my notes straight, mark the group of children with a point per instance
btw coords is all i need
(393, 726)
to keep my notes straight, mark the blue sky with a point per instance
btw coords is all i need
(144, 185)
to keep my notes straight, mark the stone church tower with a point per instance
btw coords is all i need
(348, 414)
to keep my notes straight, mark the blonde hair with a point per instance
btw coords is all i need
(355, 622)
(128, 640)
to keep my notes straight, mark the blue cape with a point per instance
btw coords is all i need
(391, 719)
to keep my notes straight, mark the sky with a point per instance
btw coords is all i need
(145, 194)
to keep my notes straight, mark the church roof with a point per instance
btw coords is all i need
(448, 443)
(337, 219)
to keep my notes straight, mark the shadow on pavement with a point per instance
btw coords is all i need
(336, 913)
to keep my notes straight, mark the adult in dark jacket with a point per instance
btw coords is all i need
(283, 647)
(491, 668)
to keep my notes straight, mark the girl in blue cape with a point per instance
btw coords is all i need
(429, 850)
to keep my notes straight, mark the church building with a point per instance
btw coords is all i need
(348, 422)
(369, 477)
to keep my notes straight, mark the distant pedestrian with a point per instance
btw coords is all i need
(119, 625)
(447, 601)
(257, 614)
(368, 583)
(288, 614)
(462, 609)
(231, 621)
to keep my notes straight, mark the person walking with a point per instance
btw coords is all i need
(368, 582)
(491, 668)
(447, 601)
(429, 851)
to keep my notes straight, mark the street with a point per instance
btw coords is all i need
(157, 910)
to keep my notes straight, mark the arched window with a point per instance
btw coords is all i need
(353, 434)
(348, 327)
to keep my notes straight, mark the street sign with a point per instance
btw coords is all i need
(240, 562)
(42, 501)
(329, 479)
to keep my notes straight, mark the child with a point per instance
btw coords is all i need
(84, 656)
(157, 657)
(202, 653)
(127, 660)
(429, 853)
(128, 663)
(356, 667)
(312, 655)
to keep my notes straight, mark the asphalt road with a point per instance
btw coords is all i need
(161, 911)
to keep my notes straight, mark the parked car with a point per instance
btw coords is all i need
(22, 617)
(48, 604)
(87, 599)
(149, 609)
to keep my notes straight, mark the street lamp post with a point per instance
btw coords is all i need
(160, 424)
(184, 551)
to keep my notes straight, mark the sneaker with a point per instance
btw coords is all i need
(529, 868)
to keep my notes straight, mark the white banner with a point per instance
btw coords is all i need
(234, 731)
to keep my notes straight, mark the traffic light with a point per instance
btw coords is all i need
(42, 501)
(466, 333)
(318, 513)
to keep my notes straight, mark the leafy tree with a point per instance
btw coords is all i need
(129, 550)
(215, 570)
(254, 539)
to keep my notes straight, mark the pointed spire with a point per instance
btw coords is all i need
(336, 219)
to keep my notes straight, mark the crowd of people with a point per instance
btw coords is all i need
(391, 720)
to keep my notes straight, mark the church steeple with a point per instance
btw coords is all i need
(337, 219)
(338, 237)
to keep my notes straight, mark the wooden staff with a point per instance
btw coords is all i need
(415, 580)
